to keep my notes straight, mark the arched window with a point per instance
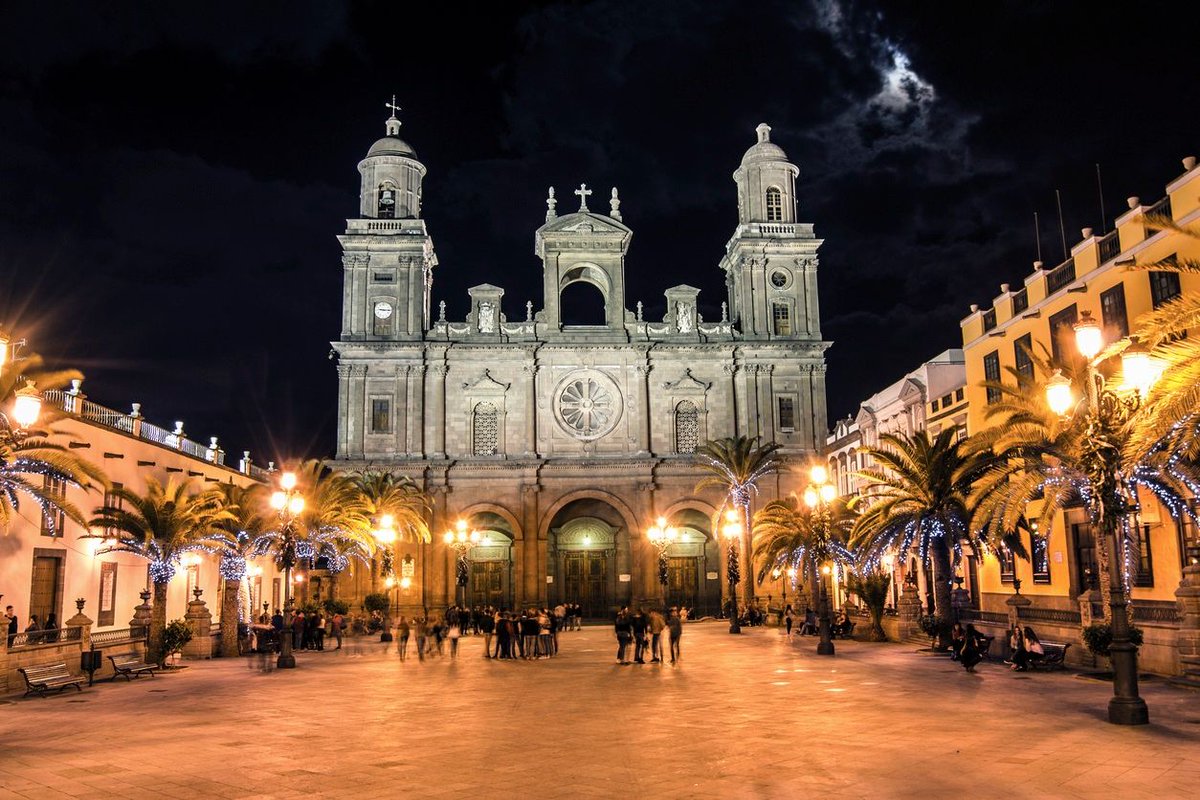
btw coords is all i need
(485, 430)
(386, 202)
(774, 205)
(687, 427)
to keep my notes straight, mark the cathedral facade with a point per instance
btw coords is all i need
(561, 444)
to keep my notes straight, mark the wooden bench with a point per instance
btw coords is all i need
(44, 677)
(836, 633)
(1053, 657)
(131, 667)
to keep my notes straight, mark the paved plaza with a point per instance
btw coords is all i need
(748, 716)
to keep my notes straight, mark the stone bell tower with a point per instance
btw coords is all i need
(770, 262)
(387, 254)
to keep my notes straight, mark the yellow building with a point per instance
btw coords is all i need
(1040, 313)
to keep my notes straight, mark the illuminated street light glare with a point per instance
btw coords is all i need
(27, 406)
(287, 481)
(810, 497)
(828, 492)
(1139, 369)
(295, 504)
(278, 501)
(1058, 393)
(819, 474)
(1089, 337)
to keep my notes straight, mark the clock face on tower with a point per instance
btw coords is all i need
(383, 309)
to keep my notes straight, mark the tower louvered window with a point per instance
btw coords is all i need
(485, 430)
(687, 427)
(774, 205)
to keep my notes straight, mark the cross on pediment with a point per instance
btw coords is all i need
(583, 193)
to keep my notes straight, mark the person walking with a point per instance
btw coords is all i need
(674, 631)
(339, 622)
(419, 633)
(638, 622)
(453, 633)
(624, 631)
(789, 616)
(657, 625)
(973, 649)
(403, 631)
(486, 625)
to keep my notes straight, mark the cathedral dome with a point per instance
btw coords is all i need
(764, 149)
(392, 146)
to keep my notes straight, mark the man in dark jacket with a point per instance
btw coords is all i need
(638, 623)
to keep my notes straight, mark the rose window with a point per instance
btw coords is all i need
(588, 406)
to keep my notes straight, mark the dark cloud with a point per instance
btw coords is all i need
(174, 176)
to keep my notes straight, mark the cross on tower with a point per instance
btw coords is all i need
(392, 105)
(583, 193)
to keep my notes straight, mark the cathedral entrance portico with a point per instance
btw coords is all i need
(588, 558)
(691, 561)
(490, 571)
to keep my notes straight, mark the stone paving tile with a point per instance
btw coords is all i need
(750, 716)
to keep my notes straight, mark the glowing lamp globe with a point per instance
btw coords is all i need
(811, 498)
(826, 569)
(287, 481)
(819, 474)
(390, 582)
(1058, 393)
(1089, 337)
(405, 583)
(448, 537)
(27, 406)
(4, 342)
(295, 504)
(828, 492)
(278, 501)
(1139, 368)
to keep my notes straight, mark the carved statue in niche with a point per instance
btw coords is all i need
(683, 317)
(487, 318)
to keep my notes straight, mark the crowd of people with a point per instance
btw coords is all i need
(968, 646)
(527, 635)
(37, 632)
(633, 626)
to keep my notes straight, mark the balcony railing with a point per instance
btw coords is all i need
(36, 638)
(117, 636)
(1020, 302)
(71, 402)
(1060, 276)
(1110, 247)
(1160, 209)
(989, 319)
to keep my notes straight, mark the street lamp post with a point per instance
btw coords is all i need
(732, 530)
(288, 503)
(461, 540)
(819, 494)
(385, 535)
(662, 536)
(1104, 413)
(778, 573)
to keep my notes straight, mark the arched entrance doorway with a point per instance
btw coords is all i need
(588, 558)
(693, 564)
(490, 581)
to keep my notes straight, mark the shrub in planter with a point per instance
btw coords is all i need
(873, 590)
(1097, 637)
(377, 601)
(175, 637)
(333, 606)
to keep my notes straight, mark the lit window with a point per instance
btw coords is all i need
(53, 519)
(774, 205)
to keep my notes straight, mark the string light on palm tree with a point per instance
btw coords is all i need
(288, 504)
(732, 531)
(817, 496)
(461, 540)
(778, 573)
(1105, 412)
(662, 536)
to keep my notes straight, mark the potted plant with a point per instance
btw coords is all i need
(1097, 638)
(175, 637)
(933, 625)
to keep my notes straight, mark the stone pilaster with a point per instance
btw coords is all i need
(908, 612)
(141, 616)
(1187, 638)
(81, 621)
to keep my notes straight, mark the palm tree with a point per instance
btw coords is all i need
(160, 526)
(32, 463)
(1098, 461)
(235, 538)
(387, 495)
(335, 513)
(872, 589)
(919, 495)
(735, 465)
(789, 535)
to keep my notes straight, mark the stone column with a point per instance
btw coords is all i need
(343, 421)
(908, 611)
(141, 616)
(416, 411)
(1187, 638)
(531, 370)
(199, 620)
(960, 599)
(439, 410)
(4, 661)
(402, 441)
(1015, 605)
(643, 371)
(731, 370)
(767, 403)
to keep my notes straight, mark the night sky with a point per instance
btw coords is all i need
(173, 175)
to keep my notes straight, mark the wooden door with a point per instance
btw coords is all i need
(44, 594)
(585, 581)
(487, 584)
(683, 581)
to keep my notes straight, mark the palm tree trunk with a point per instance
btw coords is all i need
(941, 591)
(158, 624)
(229, 617)
(748, 566)
(1103, 580)
(814, 587)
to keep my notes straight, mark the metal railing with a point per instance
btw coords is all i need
(1020, 301)
(1060, 276)
(989, 319)
(1062, 616)
(1161, 612)
(40, 638)
(1110, 247)
(118, 636)
(1162, 208)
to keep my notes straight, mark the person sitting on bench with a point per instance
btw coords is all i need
(809, 628)
(1031, 649)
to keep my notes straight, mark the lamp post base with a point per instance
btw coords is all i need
(825, 648)
(1128, 711)
(286, 661)
(734, 627)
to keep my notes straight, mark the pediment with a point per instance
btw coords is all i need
(865, 417)
(687, 382)
(583, 222)
(485, 288)
(485, 384)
